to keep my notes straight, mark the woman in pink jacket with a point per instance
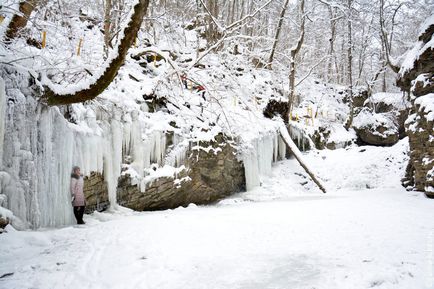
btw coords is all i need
(78, 200)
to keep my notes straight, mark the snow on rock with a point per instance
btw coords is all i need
(416, 78)
(376, 128)
(154, 173)
(426, 106)
(387, 101)
(418, 49)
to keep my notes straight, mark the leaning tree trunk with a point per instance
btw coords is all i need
(19, 21)
(130, 34)
(297, 154)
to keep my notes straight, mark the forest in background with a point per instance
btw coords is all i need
(351, 42)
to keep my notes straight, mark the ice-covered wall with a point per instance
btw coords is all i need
(41, 147)
(259, 156)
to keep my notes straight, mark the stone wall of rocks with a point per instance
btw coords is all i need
(421, 153)
(3, 223)
(419, 81)
(95, 192)
(211, 175)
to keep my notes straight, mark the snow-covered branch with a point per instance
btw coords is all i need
(56, 95)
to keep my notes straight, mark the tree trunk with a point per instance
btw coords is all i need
(19, 21)
(332, 12)
(349, 122)
(107, 24)
(386, 43)
(297, 154)
(294, 52)
(276, 37)
(130, 34)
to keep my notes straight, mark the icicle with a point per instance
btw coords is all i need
(114, 159)
(127, 134)
(176, 157)
(136, 143)
(258, 159)
(250, 161)
(2, 117)
(158, 140)
(282, 148)
(54, 163)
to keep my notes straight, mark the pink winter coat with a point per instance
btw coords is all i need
(77, 194)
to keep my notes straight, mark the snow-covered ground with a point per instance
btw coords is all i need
(366, 232)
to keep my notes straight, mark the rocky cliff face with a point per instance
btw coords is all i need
(96, 193)
(417, 78)
(210, 175)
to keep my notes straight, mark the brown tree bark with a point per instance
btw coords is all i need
(130, 34)
(19, 21)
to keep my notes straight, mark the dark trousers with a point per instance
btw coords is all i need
(78, 213)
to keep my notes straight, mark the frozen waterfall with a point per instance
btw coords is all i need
(260, 155)
(41, 147)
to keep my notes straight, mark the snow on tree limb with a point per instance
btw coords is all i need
(56, 95)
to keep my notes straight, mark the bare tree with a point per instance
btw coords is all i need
(350, 65)
(278, 29)
(386, 40)
(294, 51)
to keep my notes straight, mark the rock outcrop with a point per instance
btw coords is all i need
(96, 193)
(417, 78)
(3, 223)
(214, 172)
(380, 121)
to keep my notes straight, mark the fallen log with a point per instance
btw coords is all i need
(296, 152)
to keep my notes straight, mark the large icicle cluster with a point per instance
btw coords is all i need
(41, 147)
(2, 117)
(258, 158)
